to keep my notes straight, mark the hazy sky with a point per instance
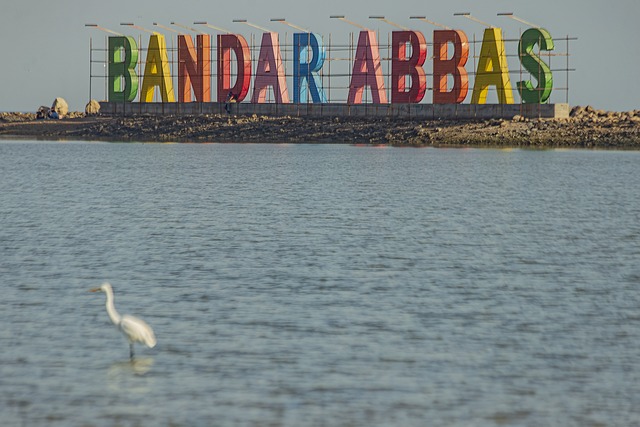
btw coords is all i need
(44, 46)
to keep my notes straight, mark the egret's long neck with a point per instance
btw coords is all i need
(111, 309)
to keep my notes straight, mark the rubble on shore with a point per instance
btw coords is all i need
(28, 117)
(585, 128)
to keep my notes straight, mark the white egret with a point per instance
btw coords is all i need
(136, 330)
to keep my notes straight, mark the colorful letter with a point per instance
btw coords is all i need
(270, 72)
(367, 71)
(123, 57)
(536, 66)
(194, 69)
(157, 72)
(442, 66)
(240, 48)
(308, 59)
(492, 69)
(401, 67)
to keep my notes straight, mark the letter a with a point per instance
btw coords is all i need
(270, 72)
(492, 69)
(367, 71)
(156, 71)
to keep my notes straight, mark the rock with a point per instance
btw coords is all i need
(517, 118)
(577, 111)
(61, 107)
(17, 117)
(420, 131)
(92, 108)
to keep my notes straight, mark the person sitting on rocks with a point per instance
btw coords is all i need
(53, 114)
(42, 113)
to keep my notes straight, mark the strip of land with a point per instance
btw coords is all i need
(585, 128)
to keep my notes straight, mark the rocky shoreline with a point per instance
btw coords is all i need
(585, 128)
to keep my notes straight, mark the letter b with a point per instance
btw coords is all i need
(123, 57)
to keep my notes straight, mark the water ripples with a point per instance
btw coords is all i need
(319, 285)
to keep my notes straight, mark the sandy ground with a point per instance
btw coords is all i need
(586, 128)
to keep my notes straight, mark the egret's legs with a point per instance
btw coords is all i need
(131, 351)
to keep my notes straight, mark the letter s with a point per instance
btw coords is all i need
(536, 66)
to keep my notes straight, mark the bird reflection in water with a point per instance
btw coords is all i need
(138, 366)
(130, 376)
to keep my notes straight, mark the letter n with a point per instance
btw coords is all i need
(194, 68)
(367, 71)
(443, 66)
(403, 67)
(123, 57)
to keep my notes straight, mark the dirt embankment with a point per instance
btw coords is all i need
(585, 128)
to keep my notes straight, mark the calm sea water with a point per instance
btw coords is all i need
(319, 285)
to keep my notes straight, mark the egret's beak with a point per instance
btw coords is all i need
(95, 290)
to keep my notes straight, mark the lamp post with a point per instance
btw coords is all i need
(473, 18)
(424, 19)
(515, 18)
(106, 30)
(206, 24)
(342, 18)
(188, 28)
(383, 19)
(244, 21)
(171, 30)
(285, 22)
(137, 27)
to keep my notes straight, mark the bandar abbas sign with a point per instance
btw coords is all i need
(407, 69)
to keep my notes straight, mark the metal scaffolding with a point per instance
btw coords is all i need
(336, 72)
